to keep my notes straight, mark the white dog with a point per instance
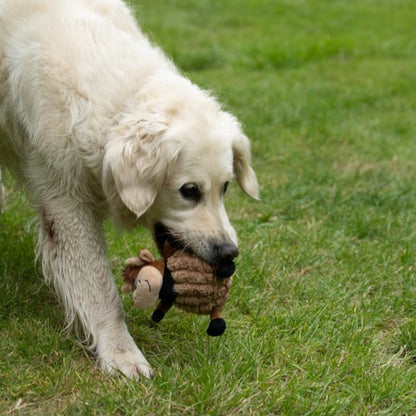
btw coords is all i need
(96, 121)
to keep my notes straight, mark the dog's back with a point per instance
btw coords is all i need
(63, 60)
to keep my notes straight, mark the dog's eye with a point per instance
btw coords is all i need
(191, 192)
(224, 189)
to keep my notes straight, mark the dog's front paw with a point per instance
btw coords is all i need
(121, 355)
(131, 364)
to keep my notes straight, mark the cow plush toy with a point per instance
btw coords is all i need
(181, 279)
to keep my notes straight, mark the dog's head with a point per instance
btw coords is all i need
(173, 169)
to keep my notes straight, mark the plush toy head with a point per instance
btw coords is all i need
(143, 276)
(184, 280)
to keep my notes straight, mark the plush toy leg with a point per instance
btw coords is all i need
(217, 325)
(167, 296)
(160, 311)
(225, 270)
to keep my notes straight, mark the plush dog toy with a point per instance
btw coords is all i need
(181, 279)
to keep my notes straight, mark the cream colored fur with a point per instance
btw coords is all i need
(96, 121)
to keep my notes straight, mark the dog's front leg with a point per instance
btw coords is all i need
(74, 261)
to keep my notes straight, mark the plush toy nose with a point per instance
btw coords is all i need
(226, 252)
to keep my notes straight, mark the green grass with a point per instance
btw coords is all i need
(322, 315)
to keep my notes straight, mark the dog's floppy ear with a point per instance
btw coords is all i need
(244, 173)
(137, 161)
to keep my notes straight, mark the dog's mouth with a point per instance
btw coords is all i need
(223, 268)
(163, 234)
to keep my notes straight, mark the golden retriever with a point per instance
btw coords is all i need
(96, 122)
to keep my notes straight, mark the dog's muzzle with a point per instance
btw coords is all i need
(221, 253)
(224, 253)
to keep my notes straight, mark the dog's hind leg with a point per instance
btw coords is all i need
(74, 262)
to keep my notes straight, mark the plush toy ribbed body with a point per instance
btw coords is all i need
(183, 280)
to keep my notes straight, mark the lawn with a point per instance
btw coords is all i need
(322, 314)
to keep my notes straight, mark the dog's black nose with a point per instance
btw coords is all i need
(225, 252)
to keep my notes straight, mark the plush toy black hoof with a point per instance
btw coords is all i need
(225, 270)
(216, 327)
(158, 315)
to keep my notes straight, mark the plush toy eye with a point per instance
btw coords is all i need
(224, 189)
(191, 192)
